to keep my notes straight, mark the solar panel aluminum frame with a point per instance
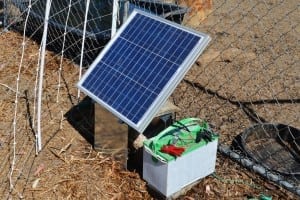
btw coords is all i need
(167, 89)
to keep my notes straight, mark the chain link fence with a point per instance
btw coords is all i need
(246, 84)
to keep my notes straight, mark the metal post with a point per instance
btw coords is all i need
(110, 136)
(114, 17)
(125, 11)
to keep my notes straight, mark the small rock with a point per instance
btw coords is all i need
(35, 183)
(138, 143)
(209, 56)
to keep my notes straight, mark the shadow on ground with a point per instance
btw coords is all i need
(82, 118)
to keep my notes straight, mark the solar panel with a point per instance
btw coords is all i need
(141, 66)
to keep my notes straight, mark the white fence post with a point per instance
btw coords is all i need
(83, 40)
(41, 75)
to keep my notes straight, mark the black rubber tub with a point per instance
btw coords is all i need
(274, 146)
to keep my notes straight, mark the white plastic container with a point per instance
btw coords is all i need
(170, 177)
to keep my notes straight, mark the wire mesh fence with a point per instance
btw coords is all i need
(249, 76)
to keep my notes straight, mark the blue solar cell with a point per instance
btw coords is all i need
(134, 74)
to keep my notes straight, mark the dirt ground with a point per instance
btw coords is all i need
(247, 60)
